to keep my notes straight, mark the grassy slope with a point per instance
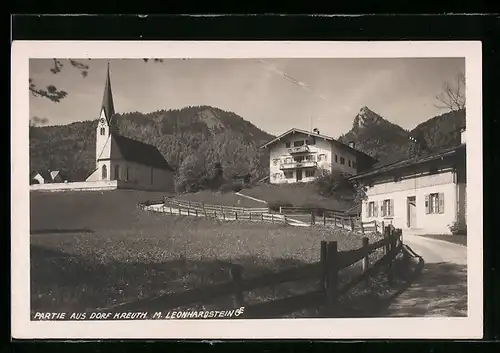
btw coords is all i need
(296, 194)
(107, 251)
(217, 198)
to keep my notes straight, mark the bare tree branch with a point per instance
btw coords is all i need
(53, 93)
(453, 97)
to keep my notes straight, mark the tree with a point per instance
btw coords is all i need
(453, 96)
(54, 94)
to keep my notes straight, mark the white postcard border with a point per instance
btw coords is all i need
(373, 328)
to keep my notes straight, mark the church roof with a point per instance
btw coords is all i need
(140, 152)
(107, 99)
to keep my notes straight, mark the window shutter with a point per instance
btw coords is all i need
(382, 211)
(391, 205)
(441, 202)
(367, 209)
(427, 204)
(375, 210)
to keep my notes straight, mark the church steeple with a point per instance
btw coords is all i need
(107, 100)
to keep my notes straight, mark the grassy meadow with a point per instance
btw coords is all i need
(97, 249)
(218, 198)
(299, 195)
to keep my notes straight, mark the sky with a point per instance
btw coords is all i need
(273, 94)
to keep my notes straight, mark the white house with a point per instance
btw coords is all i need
(301, 156)
(46, 177)
(422, 195)
(129, 163)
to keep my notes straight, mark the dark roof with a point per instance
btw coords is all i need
(45, 175)
(140, 152)
(453, 151)
(338, 143)
(107, 99)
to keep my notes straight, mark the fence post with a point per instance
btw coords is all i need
(204, 212)
(312, 218)
(366, 259)
(179, 210)
(235, 273)
(391, 254)
(189, 204)
(280, 209)
(362, 228)
(196, 212)
(334, 221)
(223, 215)
(188, 211)
(324, 219)
(272, 217)
(235, 215)
(324, 265)
(386, 241)
(352, 224)
(262, 216)
(332, 276)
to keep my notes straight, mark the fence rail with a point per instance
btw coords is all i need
(202, 205)
(326, 272)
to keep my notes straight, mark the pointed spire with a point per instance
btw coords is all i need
(107, 99)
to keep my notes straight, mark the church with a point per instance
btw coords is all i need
(128, 163)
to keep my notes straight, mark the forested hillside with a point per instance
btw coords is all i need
(389, 142)
(210, 135)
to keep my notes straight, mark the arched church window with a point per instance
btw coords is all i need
(117, 172)
(103, 131)
(104, 172)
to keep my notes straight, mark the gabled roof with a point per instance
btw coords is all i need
(441, 155)
(140, 152)
(107, 99)
(309, 133)
(44, 175)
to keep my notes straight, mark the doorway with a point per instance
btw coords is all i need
(411, 211)
(299, 174)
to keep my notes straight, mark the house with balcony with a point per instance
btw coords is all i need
(301, 156)
(421, 195)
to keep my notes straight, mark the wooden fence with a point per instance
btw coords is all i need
(209, 207)
(326, 271)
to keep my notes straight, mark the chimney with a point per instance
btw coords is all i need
(352, 144)
(462, 135)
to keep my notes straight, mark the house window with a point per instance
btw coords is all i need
(289, 174)
(371, 209)
(298, 159)
(336, 159)
(349, 162)
(387, 208)
(311, 141)
(309, 173)
(309, 158)
(434, 203)
(342, 160)
(353, 164)
(117, 172)
(298, 143)
(104, 172)
(287, 144)
(102, 131)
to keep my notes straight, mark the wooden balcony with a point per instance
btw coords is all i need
(299, 149)
(295, 165)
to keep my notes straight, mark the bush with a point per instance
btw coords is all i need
(226, 188)
(275, 205)
(458, 229)
(236, 187)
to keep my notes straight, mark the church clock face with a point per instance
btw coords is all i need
(102, 121)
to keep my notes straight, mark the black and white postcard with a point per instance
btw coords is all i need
(250, 190)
